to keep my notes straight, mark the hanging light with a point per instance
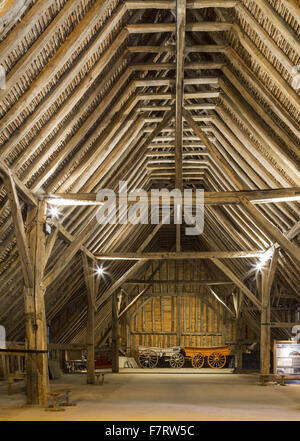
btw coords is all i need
(264, 258)
(54, 212)
(100, 271)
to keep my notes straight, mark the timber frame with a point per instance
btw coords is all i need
(161, 94)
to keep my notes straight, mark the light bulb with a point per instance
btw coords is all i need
(54, 212)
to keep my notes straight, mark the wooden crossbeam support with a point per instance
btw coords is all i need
(25, 261)
(130, 304)
(131, 271)
(237, 281)
(178, 282)
(154, 82)
(50, 244)
(210, 198)
(118, 283)
(180, 255)
(274, 233)
(171, 4)
(171, 49)
(70, 252)
(200, 65)
(65, 235)
(209, 26)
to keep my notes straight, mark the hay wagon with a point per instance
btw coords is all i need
(148, 357)
(215, 355)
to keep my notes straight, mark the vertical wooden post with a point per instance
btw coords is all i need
(178, 308)
(238, 347)
(224, 316)
(37, 382)
(90, 340)
(31, 248)
(90, 327)
(3, 367)
(238, 304)
(128, 335)
(265, 328)
(114, 333)
(268, 274)
(178, 331)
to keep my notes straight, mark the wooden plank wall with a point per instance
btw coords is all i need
(203, 319)
(155, 323)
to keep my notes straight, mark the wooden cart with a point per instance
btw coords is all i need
(216, 356)
(148, 357)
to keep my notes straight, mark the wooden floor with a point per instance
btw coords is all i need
(209, 396)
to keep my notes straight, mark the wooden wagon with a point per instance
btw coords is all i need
(216, 356)
(148, 357)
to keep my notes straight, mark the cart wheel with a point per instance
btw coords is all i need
(216, 360)
(176, 360)
(148, 358)
(198, 360)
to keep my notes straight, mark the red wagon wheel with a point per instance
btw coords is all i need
(198, 360)
(216, 360)
(148, 358)
(176, 360)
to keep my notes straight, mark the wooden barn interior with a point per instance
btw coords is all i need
(161, 94)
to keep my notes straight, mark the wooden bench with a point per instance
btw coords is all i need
(281, 377)
(287, 377)
(14, 377)
(58, 396)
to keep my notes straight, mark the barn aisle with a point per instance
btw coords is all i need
(164, 397)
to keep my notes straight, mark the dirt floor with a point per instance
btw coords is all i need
(163, 394)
